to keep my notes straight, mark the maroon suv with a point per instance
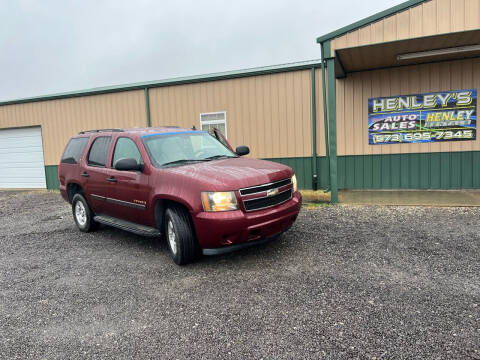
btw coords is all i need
(189, 186)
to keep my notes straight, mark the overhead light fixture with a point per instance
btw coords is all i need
(438, 52)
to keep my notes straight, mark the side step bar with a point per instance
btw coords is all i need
(127, 226)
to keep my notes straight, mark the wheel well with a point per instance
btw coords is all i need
(161, 205)
(72, 189)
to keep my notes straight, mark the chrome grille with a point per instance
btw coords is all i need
(268, 201)
(265, 187)
(266, 195)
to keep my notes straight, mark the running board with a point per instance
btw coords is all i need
(127, 225)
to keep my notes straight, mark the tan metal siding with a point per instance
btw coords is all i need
(429, 18)
(269, 113)
(354, 91)
(60, 119)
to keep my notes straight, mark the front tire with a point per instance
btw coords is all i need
(180, 237)
(82, 214)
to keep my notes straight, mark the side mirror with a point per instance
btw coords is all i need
(128, 164)
(242, 150)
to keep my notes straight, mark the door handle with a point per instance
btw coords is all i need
(112, 179)
(84, 174)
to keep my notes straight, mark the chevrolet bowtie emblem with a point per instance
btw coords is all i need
(272, 192)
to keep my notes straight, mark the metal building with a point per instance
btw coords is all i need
(421, 49)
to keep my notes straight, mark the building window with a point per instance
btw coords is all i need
(214, 120)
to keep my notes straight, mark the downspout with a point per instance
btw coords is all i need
(314, 132)
(325, 114)
(147, 107)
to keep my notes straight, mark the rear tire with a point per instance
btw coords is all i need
(180, 236)
(82, 214)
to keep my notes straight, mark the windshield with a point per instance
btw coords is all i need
(173, 149)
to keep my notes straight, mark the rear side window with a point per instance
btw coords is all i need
(126, 148)
(98, 151)
(74, 150)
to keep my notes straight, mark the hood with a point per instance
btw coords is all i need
(233, 174)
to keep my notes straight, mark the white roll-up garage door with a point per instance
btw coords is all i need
(21, 159)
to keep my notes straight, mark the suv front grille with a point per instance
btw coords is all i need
(269, 201)
(264, 187)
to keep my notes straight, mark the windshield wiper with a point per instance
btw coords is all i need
(182, 161)
(214, 157)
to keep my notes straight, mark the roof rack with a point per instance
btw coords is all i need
(100, 130)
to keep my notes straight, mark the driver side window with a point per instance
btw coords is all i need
(126, 148)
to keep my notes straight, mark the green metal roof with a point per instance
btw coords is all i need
(356, 25)
(174, 81)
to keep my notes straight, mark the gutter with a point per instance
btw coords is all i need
(266, 70)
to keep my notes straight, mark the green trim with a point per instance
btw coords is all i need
(303, 65)
(51, 176)
(314, 130)
(376, 17)
(445, 170)
(327, 51)
(147, 107)
(332, 126)
(324, 91)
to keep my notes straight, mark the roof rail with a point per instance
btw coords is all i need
(100, 130)
(169, 126)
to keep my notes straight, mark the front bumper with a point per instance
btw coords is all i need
(220, 232)
(235, 247)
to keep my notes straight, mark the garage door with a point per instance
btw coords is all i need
(21, 159)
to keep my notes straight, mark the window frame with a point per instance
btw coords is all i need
(90, 150)
(112, 165)
(214, 122)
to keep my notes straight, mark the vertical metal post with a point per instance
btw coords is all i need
(147, 107)
(314, 133)
(324, 91)
(332, 126)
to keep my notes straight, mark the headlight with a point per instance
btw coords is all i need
(219, 201)
(294, 182)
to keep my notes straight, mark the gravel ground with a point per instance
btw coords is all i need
(344, 282)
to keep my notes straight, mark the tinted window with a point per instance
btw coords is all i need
(74, 150)
(98, 151)
(126, 148)
(182, 148)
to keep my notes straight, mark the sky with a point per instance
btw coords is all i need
(52, 46)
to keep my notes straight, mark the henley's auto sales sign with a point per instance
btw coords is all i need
(432, 117)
